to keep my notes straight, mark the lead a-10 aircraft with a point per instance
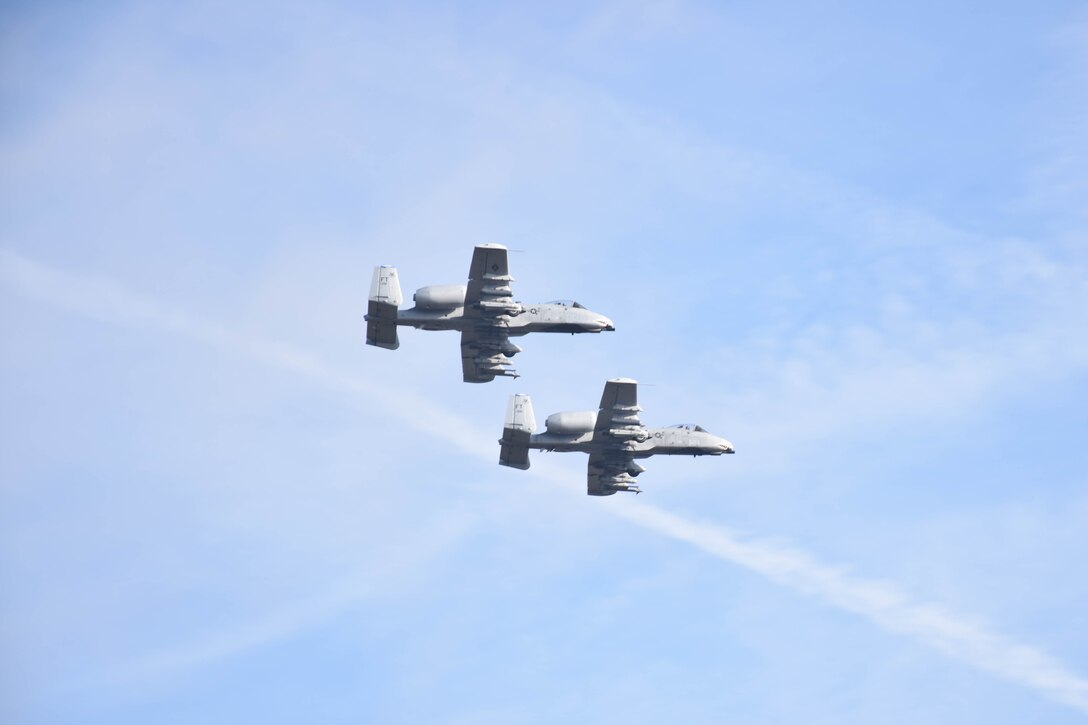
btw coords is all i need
(484, 312)
(612, 436)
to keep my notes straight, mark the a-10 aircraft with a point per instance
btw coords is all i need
(613, 437)
(484, 312)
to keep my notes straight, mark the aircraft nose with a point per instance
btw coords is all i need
(725, 446)
(606, 324)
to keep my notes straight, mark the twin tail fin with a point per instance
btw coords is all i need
(516, 431)
(381, 316)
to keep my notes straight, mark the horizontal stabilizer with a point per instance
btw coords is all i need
(381, 326)
(515, 449)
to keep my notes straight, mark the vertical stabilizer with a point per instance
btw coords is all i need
(519, 414)
(381, 316)
(516, 431)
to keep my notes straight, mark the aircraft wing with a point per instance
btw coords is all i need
(488, 304)
(608, 473)
(617, 429)
(482, 354)
(489, 280)
(618, 415)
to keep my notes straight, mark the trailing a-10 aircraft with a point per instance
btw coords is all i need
(484, 312)
(613, 436)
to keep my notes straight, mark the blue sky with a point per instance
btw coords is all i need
(852, 239)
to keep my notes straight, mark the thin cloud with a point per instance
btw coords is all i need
(880, 602)
(286, 621)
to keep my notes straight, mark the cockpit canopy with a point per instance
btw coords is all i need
(568, 303)
(689, 426)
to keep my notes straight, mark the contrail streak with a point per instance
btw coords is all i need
(880, 602)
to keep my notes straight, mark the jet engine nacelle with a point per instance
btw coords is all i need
(440, 296)
(570, 423)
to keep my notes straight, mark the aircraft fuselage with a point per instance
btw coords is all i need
(545, 317)
(657, 442)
